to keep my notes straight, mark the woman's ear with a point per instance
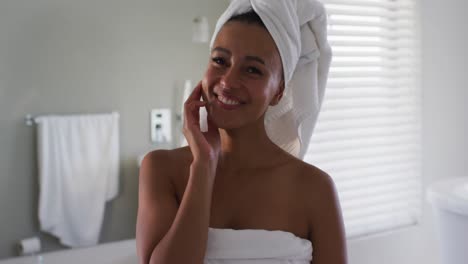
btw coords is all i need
(278, 94)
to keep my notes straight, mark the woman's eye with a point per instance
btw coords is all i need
(218, 60)
(254, 70)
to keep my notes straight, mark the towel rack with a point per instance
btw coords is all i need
(30, 120)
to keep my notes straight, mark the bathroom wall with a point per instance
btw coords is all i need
(88, 56)
(445, 126)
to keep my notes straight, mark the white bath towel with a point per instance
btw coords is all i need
(299, 29)
(78, 160)
(256, 246)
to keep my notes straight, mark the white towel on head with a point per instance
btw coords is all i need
(78, 160)
(299, 29)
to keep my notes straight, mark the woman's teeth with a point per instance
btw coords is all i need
(224, 100)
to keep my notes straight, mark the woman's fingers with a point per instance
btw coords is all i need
(193, 97)
(193, 103)
(191, 127)
(192, 113)
(203, 145)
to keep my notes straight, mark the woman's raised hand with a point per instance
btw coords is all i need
(205, 146)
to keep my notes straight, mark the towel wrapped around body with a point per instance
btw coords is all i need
(256, 246)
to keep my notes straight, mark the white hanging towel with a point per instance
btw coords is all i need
(78, 159)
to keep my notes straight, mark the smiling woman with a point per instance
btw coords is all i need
(245, 74)
(239, 191)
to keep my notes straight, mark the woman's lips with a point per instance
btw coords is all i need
(227, 106)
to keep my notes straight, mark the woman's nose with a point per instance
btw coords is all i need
(230, 78)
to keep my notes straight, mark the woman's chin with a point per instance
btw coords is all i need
(225, 124)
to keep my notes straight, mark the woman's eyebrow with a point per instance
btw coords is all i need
(255, 58)
(222, 50)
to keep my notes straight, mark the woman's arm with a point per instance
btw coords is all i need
(167, 234)
(164, 233)
(327, 232)
(157, 205)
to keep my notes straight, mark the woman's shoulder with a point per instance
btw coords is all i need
(312, 174)
(170, 162)
(174, 163)
(170, 157)
(305, 176)
(306, 173)
(313, 183)
(318, 189)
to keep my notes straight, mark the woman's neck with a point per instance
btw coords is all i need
(246, 147)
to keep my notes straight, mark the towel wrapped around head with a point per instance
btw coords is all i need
(299, 29)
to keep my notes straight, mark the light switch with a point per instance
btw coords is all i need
(161, 126)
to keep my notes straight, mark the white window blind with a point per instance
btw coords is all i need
(367, 137)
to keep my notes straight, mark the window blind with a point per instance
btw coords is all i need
(367, 137)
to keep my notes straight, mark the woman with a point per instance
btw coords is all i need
(233, 183)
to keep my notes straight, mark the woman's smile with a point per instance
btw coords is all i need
(227, 103)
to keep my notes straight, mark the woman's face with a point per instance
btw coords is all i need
(243, 77)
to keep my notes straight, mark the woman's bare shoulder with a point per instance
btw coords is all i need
(170, 162)
(170, 157)
(307, 178)
(311, 174)
(324, 215)
(313, 183)
(174, 163)
(318, 191)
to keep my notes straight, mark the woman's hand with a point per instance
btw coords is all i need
(205, 146)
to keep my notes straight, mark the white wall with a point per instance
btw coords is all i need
(445, 126)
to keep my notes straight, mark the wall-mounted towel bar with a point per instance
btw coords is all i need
(30, 120)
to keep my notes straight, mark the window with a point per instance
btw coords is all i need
(367, 136)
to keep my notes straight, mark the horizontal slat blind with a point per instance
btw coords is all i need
(367, 135)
